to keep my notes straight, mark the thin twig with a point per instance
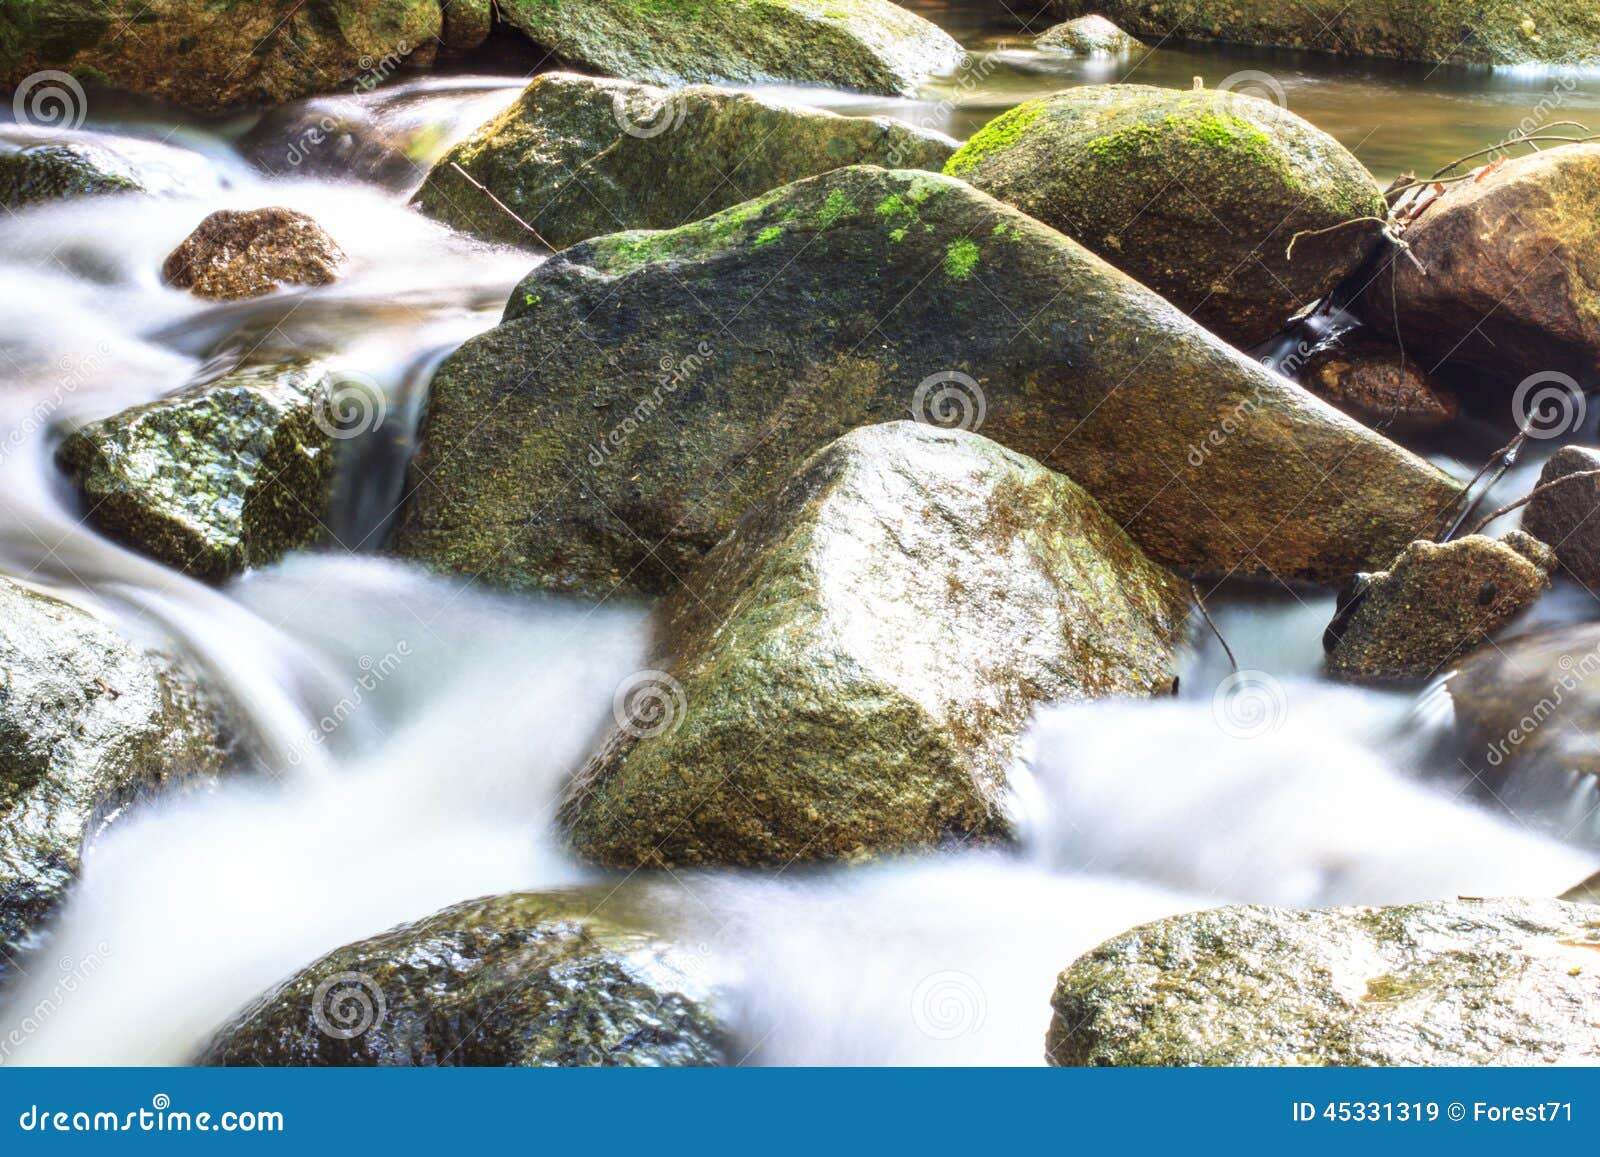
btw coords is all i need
(1518, 141)
(1532, 494)
(1506, 456)
(506, 209)
(1289, 253)
(1194, 589)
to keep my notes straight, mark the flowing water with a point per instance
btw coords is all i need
(409, 732)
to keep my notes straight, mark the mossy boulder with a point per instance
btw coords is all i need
(1378, 384)
(1434, 604)
(247, 253)
(1567, 516)
(1529, 707)
(868, 45)
(646, 388)
(1196, 194)
(579, 156)
(1511, 285)
(90, 723)
(848, 671)
(1086, 36)
(215, 478)
(524, 979)
(1454, 982)
(466, 24)
(213, 56)
(1436, 31)
(51, 172)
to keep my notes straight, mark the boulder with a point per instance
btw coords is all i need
(1434, 604)
(579, 156)
(1568, 516)
(205, 55)
(867, 45)
(1531, 706)
(1449, 982)
(466, 24)
(522, 979)
(1196, 194)
(216, 478)
(51, 172)
(848, 671)
(1376, 383)
(1086, 36)
(644, 389)
(234, 254)
(1512, 281)
(1437, 31)
(1587, 892)
(89, 724)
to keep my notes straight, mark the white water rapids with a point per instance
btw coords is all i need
(461, 712)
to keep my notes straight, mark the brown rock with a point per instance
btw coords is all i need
(1512, 285)
(1568, 517)
(234, 254)
(1376, 383)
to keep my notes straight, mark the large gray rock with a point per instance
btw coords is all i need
(522, 979)
(645, 389)
(89, 724)
(579, 156)
(214, 479)
(848, 671)
(1463, 982)
(870, 45)
(1568, 516)
(1196, 194)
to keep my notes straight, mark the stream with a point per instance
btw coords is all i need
(457, 713)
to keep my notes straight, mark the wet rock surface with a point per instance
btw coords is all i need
(1377, 384)
(1087, 36)
(234, 254)
(847, 673)
(1567, 516)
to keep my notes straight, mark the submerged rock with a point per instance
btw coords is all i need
(1434, 604)
(1512, 282)
(1568, 516)
(210, 56)
(89, 723)
(649, 158)
(645, 389)
(1195, 194)
(1439, 31)
(521, 979)
(213, 479)
(233, 254)
(1378, 384)
(1087, 36)
(1531, 706)
(1450, 982)
(50, 172)
(849, 669)
(869, 45)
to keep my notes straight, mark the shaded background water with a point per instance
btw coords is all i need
(1273, 787)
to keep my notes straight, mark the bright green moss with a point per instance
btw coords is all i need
(960, 258)
(767, 236)
(836, 206)
(1000, 133)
